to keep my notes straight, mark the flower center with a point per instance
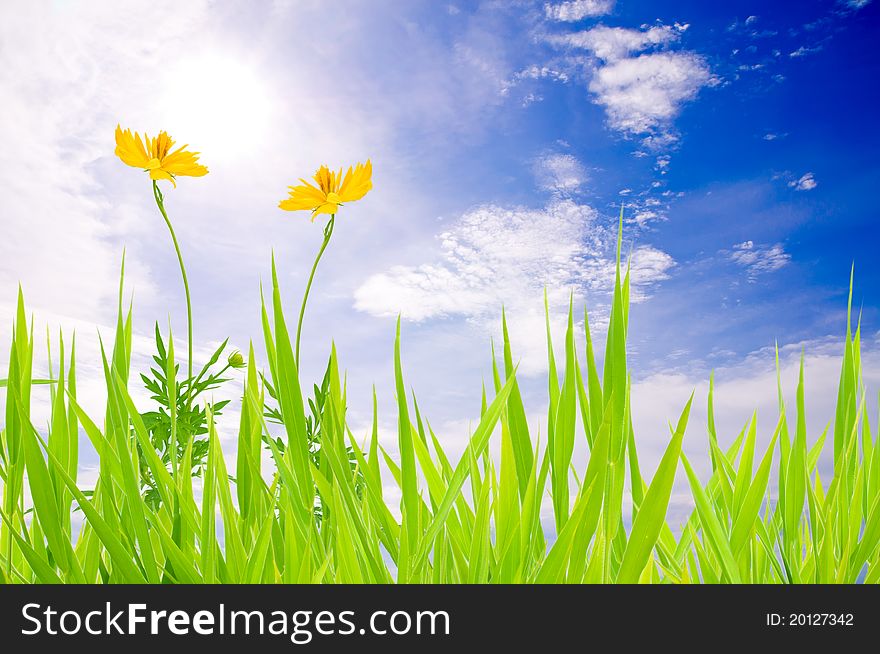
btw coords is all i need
(153, 164)
(333, 197)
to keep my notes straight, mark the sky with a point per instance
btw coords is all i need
(739, 137)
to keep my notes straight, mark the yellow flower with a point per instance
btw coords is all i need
(332, 191)
(155, 156)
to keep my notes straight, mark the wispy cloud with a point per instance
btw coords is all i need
(491, 254)
(613, 43)
(533, 73)
(574, 10)
(642, 92)
(748, 27)
(803, 51)
(738, 25)
(562, 173)
(758, 259)
(494, 256)
(805, 183)
(541, 72)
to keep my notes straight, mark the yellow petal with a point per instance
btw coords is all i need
(303, 197)
(326, 179)
(158, 174)
(154, 154)
(186, 169)
(327, 207)
(182, 162)
(162, 145)
(130, 149)
(333, 189)
(308, 187)
(357, 182)
(297, 204)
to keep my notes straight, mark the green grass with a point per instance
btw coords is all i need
(761, 517)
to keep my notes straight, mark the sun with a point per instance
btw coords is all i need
(217, 105)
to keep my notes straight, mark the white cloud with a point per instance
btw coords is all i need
(644, 217)
(806, 183)
(758, 259)
(737, 26)
(574, 10)
(613, 43)
(530, 73)
(857, 4)
(489, 256)
(642, 210)
(542, 72)
(644, 94)
(649, 266)
(641, 94)
(493, 256)
(803, 51)
(560, 172)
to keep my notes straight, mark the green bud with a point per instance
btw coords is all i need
(236, 359)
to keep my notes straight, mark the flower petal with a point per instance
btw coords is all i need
(357, 182)
(163, 145)
(155, 155)
(297, 204)
(303, 197)
(182, 162)
(333, 189)
(130, 149)
(158, 173)
(326, 179)
(327, 207)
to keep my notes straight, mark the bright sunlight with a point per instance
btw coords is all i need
(218, 102)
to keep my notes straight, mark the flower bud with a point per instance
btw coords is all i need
(236, 360)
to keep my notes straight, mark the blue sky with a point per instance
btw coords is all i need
(740, 137)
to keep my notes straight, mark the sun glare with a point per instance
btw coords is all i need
(217, 105)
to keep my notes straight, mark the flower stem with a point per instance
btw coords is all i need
(160, 202)
(328, 232)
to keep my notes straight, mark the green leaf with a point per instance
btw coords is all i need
(652, 512)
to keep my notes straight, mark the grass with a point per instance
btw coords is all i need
(761, 517)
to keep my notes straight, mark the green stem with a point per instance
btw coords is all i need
(202, 374)
(328, 232)
(160, 202)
